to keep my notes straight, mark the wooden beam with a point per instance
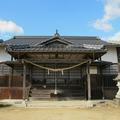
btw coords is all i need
(24, 80)
(88, 81)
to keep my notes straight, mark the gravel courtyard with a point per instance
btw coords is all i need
(95, 113)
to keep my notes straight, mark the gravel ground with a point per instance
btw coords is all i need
(95, 113)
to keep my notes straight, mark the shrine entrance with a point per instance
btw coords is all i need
(65, 81)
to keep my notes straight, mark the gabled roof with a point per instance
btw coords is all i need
(73, 40)
(27, 45)
(56, 38)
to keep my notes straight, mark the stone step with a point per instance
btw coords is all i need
(35, 95)
(41, 91)
(39, 94)
(39, 98)
(59, 104)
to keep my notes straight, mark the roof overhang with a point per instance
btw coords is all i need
(93, 54)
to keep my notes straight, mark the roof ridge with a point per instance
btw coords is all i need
(51, 36)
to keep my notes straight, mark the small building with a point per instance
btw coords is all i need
(59, 67)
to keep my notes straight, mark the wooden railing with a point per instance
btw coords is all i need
(13, 90)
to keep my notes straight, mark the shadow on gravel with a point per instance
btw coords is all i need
(5, 105)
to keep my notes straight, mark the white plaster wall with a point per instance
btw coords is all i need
(4, 56)
(111, 55)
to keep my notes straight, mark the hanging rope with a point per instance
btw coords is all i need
(56, 69)
(62, 72)
(48, 72)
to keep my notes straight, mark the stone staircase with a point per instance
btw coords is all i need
(39, 94)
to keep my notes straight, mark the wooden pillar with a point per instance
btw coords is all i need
(24, 80)
(10, 79)
(102, 80)
(69, 78)
(83, 68)
(88, 81)
(30, 73)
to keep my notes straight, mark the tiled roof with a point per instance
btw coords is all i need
(60, 44)
(36, 40)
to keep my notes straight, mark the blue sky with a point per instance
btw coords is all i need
(70, 17)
